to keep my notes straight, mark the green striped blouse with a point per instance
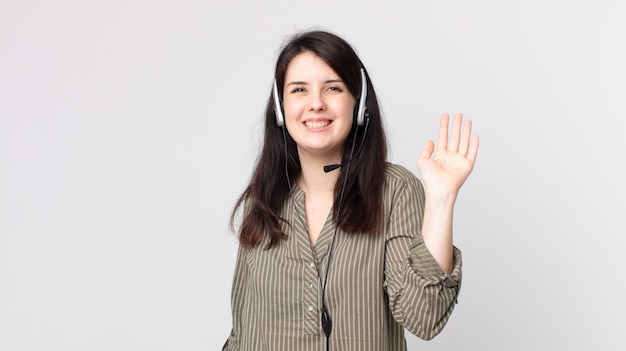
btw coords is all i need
(377, 285)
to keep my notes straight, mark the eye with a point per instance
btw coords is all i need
(297, 90)
(335, 88)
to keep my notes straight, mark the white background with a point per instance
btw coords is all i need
(129, 128)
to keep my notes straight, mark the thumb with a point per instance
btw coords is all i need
(428, 149)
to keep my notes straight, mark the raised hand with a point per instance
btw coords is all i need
(445, 168)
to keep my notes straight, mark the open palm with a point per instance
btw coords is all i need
(445, 168)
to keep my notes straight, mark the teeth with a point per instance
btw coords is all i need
(316, 124)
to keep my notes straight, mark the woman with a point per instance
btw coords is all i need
(338, 248)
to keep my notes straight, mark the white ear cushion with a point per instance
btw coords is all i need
(280, 120)
(360, 115)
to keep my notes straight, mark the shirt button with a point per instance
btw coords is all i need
(311, 264)
(310, 285)
(310, 308)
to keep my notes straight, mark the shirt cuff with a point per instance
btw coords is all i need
(423, 262)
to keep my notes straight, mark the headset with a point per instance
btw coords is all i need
(360, 116)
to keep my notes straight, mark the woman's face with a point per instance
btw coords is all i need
(318, 107)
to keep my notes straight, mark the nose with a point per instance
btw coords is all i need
(317, 102)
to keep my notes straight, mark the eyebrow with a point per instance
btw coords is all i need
(304, 83)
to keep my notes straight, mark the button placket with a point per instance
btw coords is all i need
(310, 301)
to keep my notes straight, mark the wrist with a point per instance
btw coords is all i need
(440, 196)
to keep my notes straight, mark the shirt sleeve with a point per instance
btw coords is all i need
(237, 300)
(421, 295)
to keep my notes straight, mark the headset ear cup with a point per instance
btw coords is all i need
(362, 111)
(278, 109)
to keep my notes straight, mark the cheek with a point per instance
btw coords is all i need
(350, 106)
(291, 110)
(347, 111)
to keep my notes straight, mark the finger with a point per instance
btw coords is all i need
(465, 137)
(442, 138)
(473, 151)
(428, 149)
(456, 133)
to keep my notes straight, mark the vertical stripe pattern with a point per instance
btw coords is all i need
(377, 285)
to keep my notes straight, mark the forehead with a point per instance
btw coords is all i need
(307, 66)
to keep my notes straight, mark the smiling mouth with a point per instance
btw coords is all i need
(316, 124)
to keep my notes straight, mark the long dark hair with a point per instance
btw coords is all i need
(361, 209)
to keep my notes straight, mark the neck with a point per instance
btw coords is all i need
(313, 177)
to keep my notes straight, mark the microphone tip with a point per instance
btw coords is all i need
(330, 168)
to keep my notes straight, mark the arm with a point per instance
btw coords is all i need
(237, 301)
(423, 288)
(443, 173)
(421, 295)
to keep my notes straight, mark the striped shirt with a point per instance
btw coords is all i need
(377, 285)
